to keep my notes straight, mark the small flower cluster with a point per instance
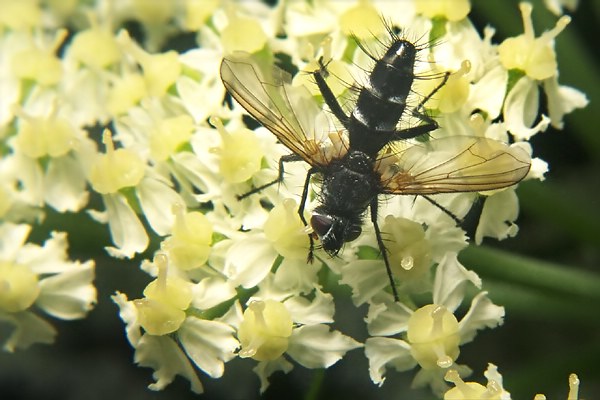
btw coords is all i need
(171, 158)
(37, 279)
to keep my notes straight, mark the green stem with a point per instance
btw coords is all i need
(315, 385)
(538, 306)
(543, 276)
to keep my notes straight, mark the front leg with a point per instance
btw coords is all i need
(279, 179)
(301, 207)
(382, 249)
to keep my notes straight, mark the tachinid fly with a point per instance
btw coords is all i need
(370, 155)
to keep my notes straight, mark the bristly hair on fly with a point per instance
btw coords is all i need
(375, 48)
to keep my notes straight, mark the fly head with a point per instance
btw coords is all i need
(333, 231)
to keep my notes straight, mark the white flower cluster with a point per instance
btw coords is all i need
(230, 276)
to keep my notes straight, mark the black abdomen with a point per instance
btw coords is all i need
(382, 101)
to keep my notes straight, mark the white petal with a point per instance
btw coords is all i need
(383, 352)
(200, 98)
(129, 315)
(208, 343)
(450, 281)
(29, 329)
(265, 369)
(31, 178)
(233, 316)
(434, 378)
(98, 216)
(85, 91)
(249, 260)
(13, 237)
(10, 93)
(555, 6)
(296, 276)
(193, 174)
(126, 230)
(444, 239)
(367, 278)
(487, 94)
(51, 258)
(521, 109)
(491, 373)
(268, 290)
(386, 319)
(70, 294)
(318, 311)
(498, 215)
(65, 185)
(163, 355)
(538, 169)
(157, 200)
(315, 346)
(562, 100)
(212, 291)
(482, 314)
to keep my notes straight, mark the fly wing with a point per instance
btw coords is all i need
(288, 112)
(450, 165)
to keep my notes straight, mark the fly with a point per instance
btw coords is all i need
(369, 156)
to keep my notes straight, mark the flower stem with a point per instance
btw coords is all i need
(531, 272)
(315, 385)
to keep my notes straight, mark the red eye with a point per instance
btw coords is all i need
(321, 224)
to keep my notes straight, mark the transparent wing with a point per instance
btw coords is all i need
(288, 112)
(450, 165)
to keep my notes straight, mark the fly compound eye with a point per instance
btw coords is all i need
(352, 233)
(321, 224)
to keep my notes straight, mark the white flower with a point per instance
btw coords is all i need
(433, 333)
(295, 327)
(119, 170)
(251, 258)
(168, 336)
(533, 60)
(41, 276)
(51, 155)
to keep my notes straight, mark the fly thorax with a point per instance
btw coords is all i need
(359, 162)
(350, 186)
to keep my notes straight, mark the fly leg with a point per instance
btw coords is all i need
(382, 249)
(419, 111)
(449, 213)
(328, 95)
(279, 179)
(301, 207)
